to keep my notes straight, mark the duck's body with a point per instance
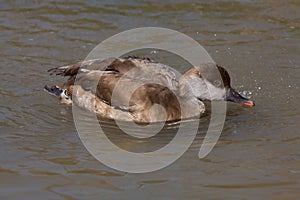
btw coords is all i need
(133, 88)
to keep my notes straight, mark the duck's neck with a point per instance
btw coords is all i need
(189, 84)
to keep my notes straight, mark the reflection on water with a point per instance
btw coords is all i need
(257, 154)
(141, 139)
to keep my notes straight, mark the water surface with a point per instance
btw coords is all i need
(257, 155)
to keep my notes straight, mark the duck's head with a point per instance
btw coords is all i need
(211, 82)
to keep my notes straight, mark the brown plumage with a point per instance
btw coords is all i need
(131, 88)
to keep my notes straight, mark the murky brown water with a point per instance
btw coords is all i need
(257, 156)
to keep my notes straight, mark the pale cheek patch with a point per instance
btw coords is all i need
(205, 90)
(215, 93)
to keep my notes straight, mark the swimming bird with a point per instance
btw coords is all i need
(143, 90)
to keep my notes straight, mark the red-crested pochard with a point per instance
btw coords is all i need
(143, 90)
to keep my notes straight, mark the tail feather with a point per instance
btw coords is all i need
(68, 70)
(58, 70)
(71, 70)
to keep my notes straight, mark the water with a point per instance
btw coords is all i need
(257, 155)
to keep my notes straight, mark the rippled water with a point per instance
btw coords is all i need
(257, 155)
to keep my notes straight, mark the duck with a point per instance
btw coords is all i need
(143, 90)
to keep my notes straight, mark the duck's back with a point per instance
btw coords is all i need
(142, 69)
(131, 85)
